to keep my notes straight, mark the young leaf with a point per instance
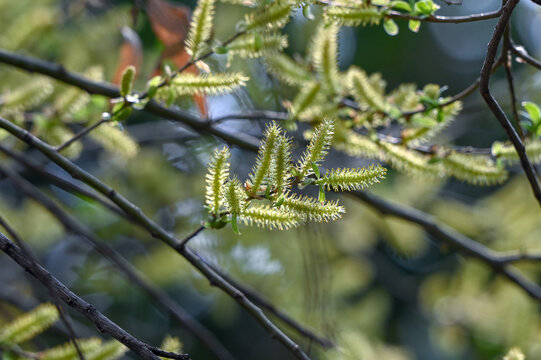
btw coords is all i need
(200, 28)
(533, 111)
(390, 27)
(414, 25)
(126, 83)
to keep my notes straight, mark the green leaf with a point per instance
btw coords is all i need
(258, 41)
(316, 170)
(321, 197)
(121, 112)
(307, 12)
(379, 2)
(414, 25)
(533, 111)
(400, 5)
(390, 27)
(127, 80)
(221, 50)
(234, 224)
(424, 121)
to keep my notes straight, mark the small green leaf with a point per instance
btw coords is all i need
(316, 170)
(234, 224)
(321, 197)
(533, 111)
(280, 201)
(400, 5)
(122, 113)
(221, 50)
(127, 80)
(414, 25)
(308, 181)
(424, 121)
(258, 42)
(307, 12)
(379, 2)
(390, 27)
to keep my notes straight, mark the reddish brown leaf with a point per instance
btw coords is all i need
(169, 22)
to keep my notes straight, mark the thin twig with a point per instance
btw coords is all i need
(81, 133)
(522, 54)
(508, 66)
(191, 236)
(493, 104)
(102, 323)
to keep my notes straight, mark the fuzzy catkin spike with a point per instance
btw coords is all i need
(410, 161)
(507, 151)
(318, 147)
(27, 96)
(282, 166)
(263, 166)
(115, 141)
(73, 99)
(110, 350)
(246, 46)
(474, 169)
(171, 344)
(307, 96)
(287, 70)
(210, 84)
(218, 171)
(310, 209)
(324, 54)
(360, 15)
(363, 91)
(270, 218)
(235, 197)
(200, 28)
(352, 179)
(274, 16)
(28, 325)
(68, 352)
(360, 146)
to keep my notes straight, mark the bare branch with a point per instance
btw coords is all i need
(522, 54)
(102, 323)
(493, 104)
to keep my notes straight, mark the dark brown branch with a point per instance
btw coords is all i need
(465, 245)
(190, 236)
(257, 299)
(102, 323)
(58, 72)
(156, 231)
(122, 264)
(508, 66)
(493, 104)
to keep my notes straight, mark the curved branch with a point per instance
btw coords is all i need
(493, 104)
(522, 54)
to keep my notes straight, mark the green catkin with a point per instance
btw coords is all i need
(200, 28)
(28, 325)
(210, 84)
(218, 171)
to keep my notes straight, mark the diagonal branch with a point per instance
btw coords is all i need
(465, 245)
(493, 104)
(102, 323)
(58, 72)
(156, 231)
(122, 264)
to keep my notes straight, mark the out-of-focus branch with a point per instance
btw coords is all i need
(493, 104)
(122, 264)
(58, 72)
(102, 323)
(137, 215)
(463, 244)
(522, 54)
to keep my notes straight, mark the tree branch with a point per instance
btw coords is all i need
(464, 244)
(493, 104)
(522, 54)
(102, 323)
(155, 230)
(192, 325)
(58, 72)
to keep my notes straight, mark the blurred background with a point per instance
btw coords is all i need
(379, 287)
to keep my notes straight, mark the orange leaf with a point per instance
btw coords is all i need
(169, 22)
